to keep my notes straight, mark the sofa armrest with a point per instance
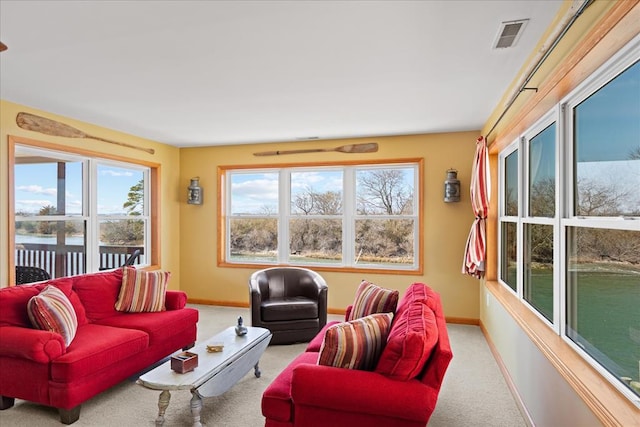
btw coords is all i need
(33, 344)
(344, 390)
(175, 300)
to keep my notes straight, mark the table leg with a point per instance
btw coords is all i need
(196, 407)
(256, 370)
(163, 403)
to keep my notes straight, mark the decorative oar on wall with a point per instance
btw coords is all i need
(370, 147)
(53, 128)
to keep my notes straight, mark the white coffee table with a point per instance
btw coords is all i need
(216, 372)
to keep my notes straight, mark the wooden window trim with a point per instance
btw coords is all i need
(221, 174)
(154, 214)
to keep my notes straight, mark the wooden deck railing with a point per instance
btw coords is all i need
(69, 260)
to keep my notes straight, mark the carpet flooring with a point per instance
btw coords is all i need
(474, 392)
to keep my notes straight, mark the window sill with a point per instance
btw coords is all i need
(610, 406)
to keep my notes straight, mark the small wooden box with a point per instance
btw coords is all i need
(184, 362)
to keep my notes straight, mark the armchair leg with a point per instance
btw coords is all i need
(69, 416)
(6, 402)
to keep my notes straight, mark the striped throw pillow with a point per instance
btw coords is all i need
(142, 291)
(356, 344)
(52, 311)
(371, 299)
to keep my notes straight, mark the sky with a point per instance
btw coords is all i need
(253, 192)
(36, 187)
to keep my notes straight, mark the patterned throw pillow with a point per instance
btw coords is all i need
(52, 311)
(142, 291)
(356, 344)
(371, 299)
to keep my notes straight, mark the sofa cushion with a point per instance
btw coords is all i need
(97, 347)
(52, 311)
(413, 336)
(155, 324)
(142, 291)
(276, 399)
(98, 292)
(356, 344)
(13, 301)
(371, 299)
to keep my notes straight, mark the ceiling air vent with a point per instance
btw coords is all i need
(509, 33)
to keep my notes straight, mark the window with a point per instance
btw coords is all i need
(333, 216)
(75, 213)
(509, 218)
(575, 230)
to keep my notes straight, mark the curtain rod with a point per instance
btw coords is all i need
(539, 63)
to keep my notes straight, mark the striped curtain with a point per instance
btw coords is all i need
(475, 250)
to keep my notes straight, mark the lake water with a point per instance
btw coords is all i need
(48, 240)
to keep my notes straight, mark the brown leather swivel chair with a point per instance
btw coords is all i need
(289, 301)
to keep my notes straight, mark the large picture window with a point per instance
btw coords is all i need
(333, 216)
(75, 213)
(575, 232)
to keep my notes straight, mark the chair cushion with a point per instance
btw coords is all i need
(356, 344)
(142, 291)
(52, 311)
(371, 299)
(288, 308)
(413, 336)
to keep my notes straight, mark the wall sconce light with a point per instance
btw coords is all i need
(195, 192)
(452, 187)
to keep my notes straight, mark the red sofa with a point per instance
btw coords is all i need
(401, 391)
(109, 346)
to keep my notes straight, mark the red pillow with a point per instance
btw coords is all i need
(98, 292)
(413, 337)
(13, 304)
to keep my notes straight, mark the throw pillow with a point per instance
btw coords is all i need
(412, 339)
(142, 291)
(371, 299)
(356, 344)
(52, 311)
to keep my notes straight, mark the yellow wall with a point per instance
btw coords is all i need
(189, 232)
(165, 155)
(446, 224)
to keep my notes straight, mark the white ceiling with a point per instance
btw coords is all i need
(191, 73)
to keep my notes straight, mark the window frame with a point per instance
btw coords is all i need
(348, 231)
(91, 159)
(566, 216)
